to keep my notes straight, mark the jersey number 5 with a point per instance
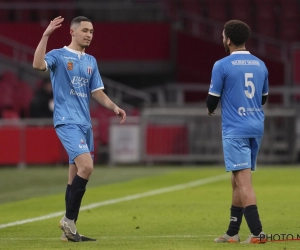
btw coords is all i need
(250, 84)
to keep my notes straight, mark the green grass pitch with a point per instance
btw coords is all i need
(155, 208)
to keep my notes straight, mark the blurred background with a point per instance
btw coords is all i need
(155, 58)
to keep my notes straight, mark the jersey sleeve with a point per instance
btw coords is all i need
(51, 59)
(216, 85)
(96, 81)
(265, 90)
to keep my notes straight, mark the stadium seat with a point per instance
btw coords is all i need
(23, 96)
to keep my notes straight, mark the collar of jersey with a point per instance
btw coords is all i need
(240, 52)
(75, 51)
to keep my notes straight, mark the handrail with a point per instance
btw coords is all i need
(290, 94)
(21, 52)
(122, 89)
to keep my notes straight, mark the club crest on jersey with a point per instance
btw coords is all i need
(70, 65)
(89, 70)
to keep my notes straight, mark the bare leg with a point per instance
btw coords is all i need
(243, 190)
(236, 200)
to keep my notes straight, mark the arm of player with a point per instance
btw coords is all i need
(211, 103)
(264, 99)
(104, 100)
(40, 52)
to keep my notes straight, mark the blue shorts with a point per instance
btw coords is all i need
(76, 139)
(241, 153)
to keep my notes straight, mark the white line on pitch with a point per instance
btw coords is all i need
(125, 198)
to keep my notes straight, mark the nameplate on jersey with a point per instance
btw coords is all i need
(245, 62)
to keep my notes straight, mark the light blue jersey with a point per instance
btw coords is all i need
(240, 80)
(74, 76)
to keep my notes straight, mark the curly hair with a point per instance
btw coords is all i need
(237, 31)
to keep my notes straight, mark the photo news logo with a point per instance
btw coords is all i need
(279, 237)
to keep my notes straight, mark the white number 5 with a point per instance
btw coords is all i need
(249, 84)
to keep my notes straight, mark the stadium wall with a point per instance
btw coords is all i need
(111, 42)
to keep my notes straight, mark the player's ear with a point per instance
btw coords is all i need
(228, 41)
(72, 32)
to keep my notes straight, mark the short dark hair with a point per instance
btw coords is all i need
(79, 19)
(237, 31)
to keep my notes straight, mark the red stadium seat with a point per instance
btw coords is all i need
(23, 97)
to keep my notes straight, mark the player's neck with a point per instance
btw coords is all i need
(238, 49)
(76, 47)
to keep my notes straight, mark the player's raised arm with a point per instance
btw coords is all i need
(39, 55)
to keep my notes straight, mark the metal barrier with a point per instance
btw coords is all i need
(190, 135)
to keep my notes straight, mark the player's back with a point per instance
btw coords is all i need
(245, 80)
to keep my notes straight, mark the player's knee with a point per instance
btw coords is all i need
(86, 170)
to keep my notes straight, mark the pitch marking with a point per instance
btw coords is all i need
(125, 198)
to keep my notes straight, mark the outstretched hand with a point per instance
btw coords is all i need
(120, 113)
(54, 24)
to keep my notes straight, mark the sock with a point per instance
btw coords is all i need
(252, 218)
(236, 216)
(77, 211)
(77, 191)
(68, 189)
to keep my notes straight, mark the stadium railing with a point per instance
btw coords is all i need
(190, 135)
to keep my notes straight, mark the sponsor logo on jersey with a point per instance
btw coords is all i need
(89, 70)
(78, 82)
(74, 92)
(242, 111)
(70, 65)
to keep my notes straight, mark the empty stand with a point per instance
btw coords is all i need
(289, 20)
(217, 10)
(266, 12)
(16, 96)
(242, 10)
